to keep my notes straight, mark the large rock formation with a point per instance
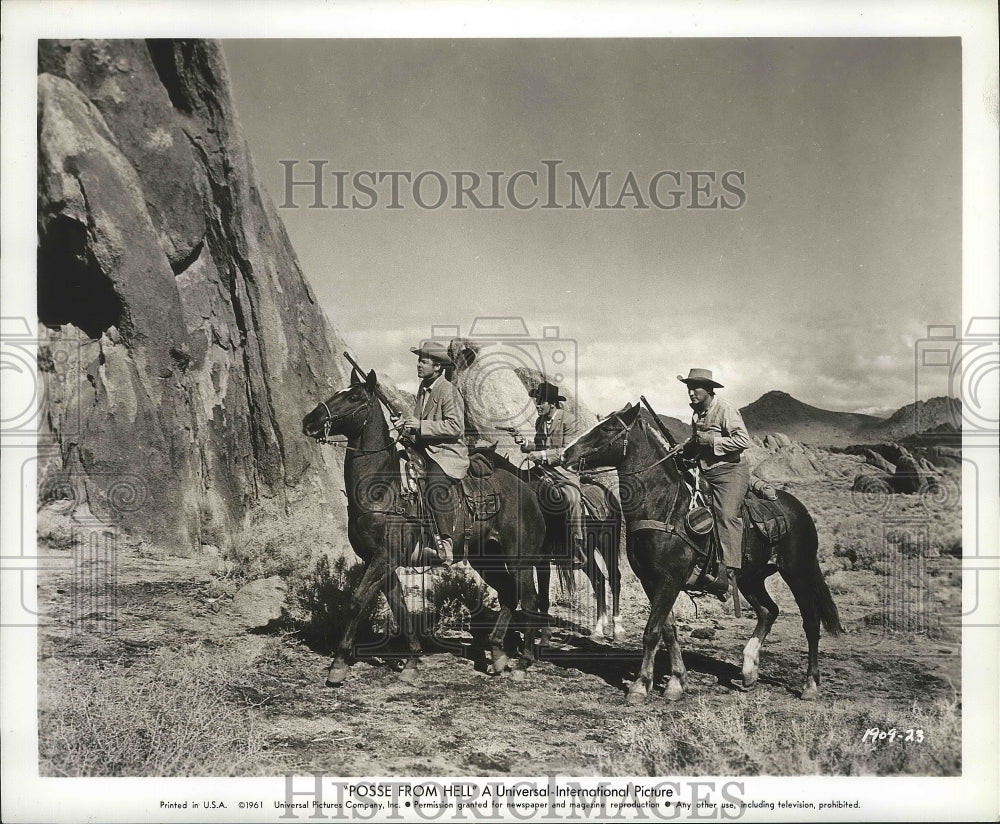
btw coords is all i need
(180, 344)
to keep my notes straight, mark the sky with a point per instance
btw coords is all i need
(838, 161)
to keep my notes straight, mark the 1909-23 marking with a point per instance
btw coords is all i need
(876, 734)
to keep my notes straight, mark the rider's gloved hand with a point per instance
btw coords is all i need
(690, 450)
(537, 457)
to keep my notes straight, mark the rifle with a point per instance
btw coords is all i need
(660, 425)
(383, 399)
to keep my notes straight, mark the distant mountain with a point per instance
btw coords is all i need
(680, 430)
(780, 412)
(940, 414)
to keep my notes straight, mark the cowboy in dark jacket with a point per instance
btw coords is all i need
(437, 427)
(555, 428)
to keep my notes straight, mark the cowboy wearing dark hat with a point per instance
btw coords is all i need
(554, 430)
(718, 438)
(437, 427)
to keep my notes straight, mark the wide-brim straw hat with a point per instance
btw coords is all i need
(702, 377)
(433, 349)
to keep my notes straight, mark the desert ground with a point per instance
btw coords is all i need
(170, 678)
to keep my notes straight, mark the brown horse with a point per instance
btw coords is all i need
(655, 500)
(503, 548)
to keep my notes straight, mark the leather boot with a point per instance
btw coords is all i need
(720, 586)
(446, 550)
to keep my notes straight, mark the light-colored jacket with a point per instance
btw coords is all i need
(441, 412)
(731, 437)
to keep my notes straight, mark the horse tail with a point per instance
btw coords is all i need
(566, 578)
(828, 612)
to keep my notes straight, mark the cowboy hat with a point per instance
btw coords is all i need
(700, 376)
(433, 349)
(546, 392)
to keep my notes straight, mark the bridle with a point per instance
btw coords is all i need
(623, 433)
(363, 411)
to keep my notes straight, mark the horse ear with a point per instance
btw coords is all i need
(356, 376)
(372, 380)
(630, 412)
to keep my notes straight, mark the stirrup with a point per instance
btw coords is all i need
(714, 586)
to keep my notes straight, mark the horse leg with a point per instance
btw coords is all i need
(529, 606)
(504, 586)
(659, 607)
(678, 672)
(751, 585)
(543, 571)
(406, 622)
(371, 583)
(615, 582)
(600, 597)
(801, 588)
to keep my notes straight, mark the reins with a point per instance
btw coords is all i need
(331, 419)
(626, 428)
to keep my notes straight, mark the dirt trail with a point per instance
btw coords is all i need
(567, 718)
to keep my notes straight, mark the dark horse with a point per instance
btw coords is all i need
(504, 548)
(655, 500)
(602, 523)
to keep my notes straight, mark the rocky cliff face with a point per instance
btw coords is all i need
(180, 345)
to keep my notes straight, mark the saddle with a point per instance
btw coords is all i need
(479, 491)
(766, 517)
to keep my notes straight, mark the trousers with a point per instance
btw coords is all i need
(729, 483)
(443, 498)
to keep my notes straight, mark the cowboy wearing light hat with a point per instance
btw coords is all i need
(437, 427)
(554, 430)
(718, 438)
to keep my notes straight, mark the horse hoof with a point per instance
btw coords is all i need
(409, 675)
(810, 692)
(499, 664)
(545, 637)
(635, 697)
(749, 679)
(674, 691)
(336, 676)
(517, 674)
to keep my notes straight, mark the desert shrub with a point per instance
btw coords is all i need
(273, 544)
(745, 736)
(59, 536)
(321, 601)
(457, 595)
(179, 714)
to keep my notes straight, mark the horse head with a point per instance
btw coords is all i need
(604, 444)
(345, 412)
